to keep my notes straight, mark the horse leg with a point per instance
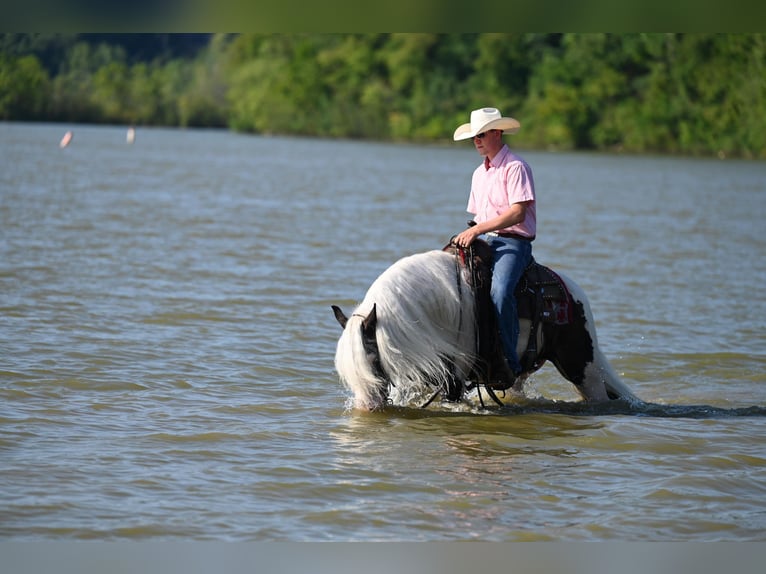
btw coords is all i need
(576, 355)
(529, 350)
(453, 388)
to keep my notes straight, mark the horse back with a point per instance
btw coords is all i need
(541, 293)
(542, 298)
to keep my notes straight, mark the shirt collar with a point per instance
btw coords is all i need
(498, 159)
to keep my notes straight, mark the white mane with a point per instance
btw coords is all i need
(425, 323)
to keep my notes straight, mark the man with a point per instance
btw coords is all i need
(503, 202)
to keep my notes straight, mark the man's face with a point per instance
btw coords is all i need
(488, 143)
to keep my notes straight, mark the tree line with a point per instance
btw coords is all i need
(693, 94)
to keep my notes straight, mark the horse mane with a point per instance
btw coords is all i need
(425, 321)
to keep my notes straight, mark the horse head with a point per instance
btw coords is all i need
(369, 339)
(369, 322)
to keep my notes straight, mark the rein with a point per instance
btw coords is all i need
(465, 256)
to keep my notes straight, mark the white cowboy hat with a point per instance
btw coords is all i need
(486, 119)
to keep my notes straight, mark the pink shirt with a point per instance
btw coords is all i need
(498, 184)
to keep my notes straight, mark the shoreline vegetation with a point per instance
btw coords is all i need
(683, 94)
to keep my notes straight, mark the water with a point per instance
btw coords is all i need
(166, 346)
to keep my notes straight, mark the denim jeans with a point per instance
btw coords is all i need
(511, 256)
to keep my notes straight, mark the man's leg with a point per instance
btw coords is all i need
(511, 257)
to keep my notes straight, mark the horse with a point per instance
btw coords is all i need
(426, 327)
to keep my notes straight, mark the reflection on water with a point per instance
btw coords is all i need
(167, 345)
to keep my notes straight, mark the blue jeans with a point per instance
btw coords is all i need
(511, 256)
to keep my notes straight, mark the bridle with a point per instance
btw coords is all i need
(371, 348)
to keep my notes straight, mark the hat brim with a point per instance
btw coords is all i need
(507, 125)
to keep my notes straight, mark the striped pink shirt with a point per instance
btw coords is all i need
(498, 184)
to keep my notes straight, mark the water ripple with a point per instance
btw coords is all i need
(167, 342)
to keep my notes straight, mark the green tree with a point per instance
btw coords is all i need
(23, 85)
(110, 92)
(72, 90)
(572, 88)
(676, 93)
(352, 98)
(203, 98)
(259, 88)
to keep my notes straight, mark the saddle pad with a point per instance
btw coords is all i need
(542, 294)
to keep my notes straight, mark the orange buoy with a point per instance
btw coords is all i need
(66, 139)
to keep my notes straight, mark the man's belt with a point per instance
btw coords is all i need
(511, 235)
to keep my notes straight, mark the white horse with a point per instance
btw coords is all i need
(417, 332)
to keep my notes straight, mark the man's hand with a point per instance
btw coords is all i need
(465, 238)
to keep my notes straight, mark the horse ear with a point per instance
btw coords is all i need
(370, 322)
(340, 316)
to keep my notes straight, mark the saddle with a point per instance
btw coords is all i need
(541, 297)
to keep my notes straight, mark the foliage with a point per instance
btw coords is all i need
(700, 94)
(23, 86)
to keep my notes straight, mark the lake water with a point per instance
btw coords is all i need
(167, 345)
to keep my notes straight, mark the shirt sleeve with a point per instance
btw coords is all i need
(520, 184)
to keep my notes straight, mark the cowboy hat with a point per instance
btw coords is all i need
(485, 119)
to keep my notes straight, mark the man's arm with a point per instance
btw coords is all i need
(511, 216)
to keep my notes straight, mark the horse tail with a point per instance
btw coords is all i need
(615, 387)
